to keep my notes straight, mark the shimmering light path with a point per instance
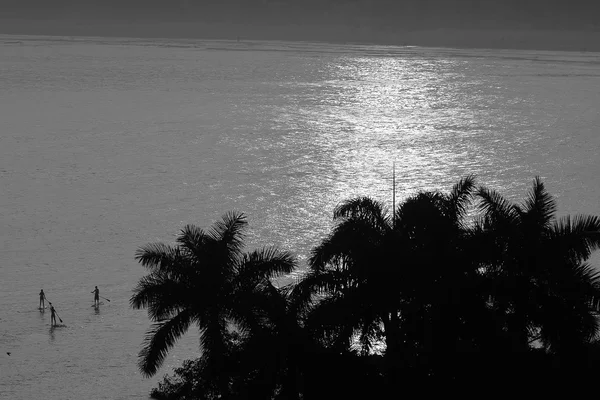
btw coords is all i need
(107, 144)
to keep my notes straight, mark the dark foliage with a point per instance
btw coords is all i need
(453, 292)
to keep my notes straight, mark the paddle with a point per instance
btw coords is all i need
(61, 321)
(104, 298)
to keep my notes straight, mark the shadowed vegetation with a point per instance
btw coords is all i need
(456, 290)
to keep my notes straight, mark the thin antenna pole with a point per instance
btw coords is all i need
(394, 195)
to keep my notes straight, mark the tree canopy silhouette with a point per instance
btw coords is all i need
(463, 287)
(208, 280)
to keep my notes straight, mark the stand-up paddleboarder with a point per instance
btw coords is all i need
(42, 298)
(52, 316)
(96, 296)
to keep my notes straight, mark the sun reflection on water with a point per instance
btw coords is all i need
(109, 145)
(437, 118)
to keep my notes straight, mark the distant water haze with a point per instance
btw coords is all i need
(107, 144)
(514, 24)
(467, 13)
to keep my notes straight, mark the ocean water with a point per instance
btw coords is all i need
(107, 144)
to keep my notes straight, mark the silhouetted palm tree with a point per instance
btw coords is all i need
(540, 284)
(443, 311)
(267, 360)
(379, 276)
(342, 267)
(207, 280)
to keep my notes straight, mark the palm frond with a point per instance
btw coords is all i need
(421, 205)
(539, 205)
(160, 339)
(461, 194)
(230, 231)
(264, 308)
(328, 252)
(328, 322)
(160, 257)
(587, 284)
(161, 295)
(370, 332)
(426, 217)
(364, 208)
(350, 239)
(344, 317)
(302, 292)
(578, 237)
(192, 238)
(225, 241)
(495, 208)
(268, 262)
(314, 287)
(330, 281)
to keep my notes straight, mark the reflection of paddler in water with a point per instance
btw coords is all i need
(96, 296)
(42, 298)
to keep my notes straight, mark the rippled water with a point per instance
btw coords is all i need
(107, 144)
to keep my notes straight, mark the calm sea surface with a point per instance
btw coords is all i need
(107, 144)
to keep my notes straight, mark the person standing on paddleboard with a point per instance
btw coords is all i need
(96, 296)
(52, 316)
(42, 298)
